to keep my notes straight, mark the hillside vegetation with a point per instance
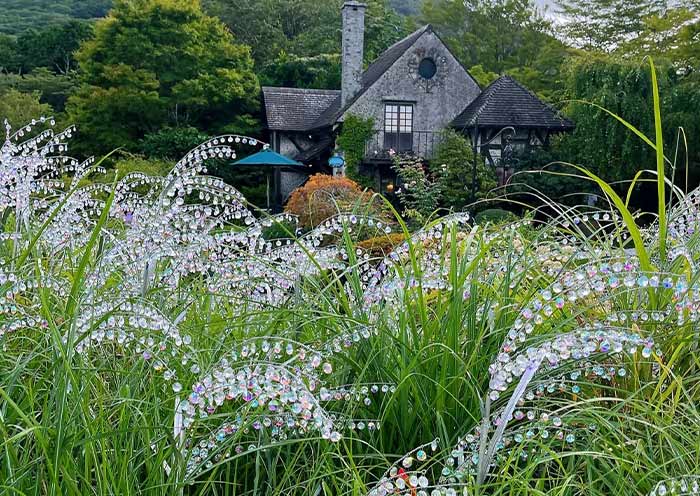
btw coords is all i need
(17, 16)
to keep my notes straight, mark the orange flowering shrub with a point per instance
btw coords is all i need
(323, 196)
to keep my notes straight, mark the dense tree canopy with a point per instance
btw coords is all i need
(603, 145)
(52, 47)
(501, 36)
(53, 89)
(154, 63)
(302, 37)
(17, 16)
(20, 108)
(606, 24)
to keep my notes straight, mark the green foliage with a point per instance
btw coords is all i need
(455, 157)
(52, 47)
(320, 71)
(406, 7)
(672, 33)
(539, 171)
(445, 182)
(53, 89)
(17, 16)
(495, 216)
(171, 143)
(20, 108)
(604, 145)
(271, 27)
(279, 229)
(505, 36)
(250, 181)
(133, 163)
(289, 32)
(8, 53)
(353, 142)
(420, 187)
(606, 24)
(155, 63)
(482, 76)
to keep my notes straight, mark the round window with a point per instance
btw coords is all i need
(427, 68)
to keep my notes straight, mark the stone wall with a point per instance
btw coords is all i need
(436, 103)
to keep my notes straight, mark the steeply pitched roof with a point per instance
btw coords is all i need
(316, 150)
(293, 109)
(375, 70)
(507, 103)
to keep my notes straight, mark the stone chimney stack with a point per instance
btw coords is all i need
(353, 49)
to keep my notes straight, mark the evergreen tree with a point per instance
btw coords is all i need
(155, 63)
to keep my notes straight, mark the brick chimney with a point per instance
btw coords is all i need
(353, 49)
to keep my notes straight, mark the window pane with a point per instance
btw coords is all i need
(398, 118)
(406, 119)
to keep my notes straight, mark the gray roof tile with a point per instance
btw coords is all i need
(507, 103)
(295, 109)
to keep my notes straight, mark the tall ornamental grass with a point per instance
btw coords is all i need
(156, 340)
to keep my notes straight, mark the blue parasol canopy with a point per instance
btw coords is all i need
(268, 157)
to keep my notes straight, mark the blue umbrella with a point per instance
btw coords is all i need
(268, 158)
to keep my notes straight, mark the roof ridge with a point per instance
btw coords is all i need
(421, 30)
(301, 90)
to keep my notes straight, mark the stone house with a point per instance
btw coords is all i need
(412, 92)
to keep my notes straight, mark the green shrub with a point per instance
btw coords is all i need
(171, 142)
(455, 155)
(353, 141)
(495, 216)
(20, 108)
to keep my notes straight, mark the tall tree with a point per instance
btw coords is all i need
(500, 36)
(155, 63)
(8, 53)
(287, 33)
(604, 25)
(52, 47)
(20, 108)
(271, 26)
(674, 34)
(606, 147)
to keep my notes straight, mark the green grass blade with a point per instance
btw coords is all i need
(660, 165)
